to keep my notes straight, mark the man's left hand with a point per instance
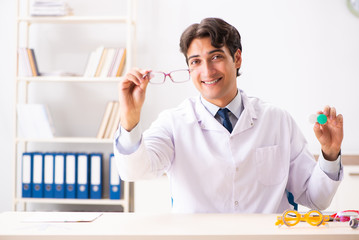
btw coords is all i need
(330, 134)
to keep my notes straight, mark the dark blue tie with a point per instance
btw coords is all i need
(223, 113)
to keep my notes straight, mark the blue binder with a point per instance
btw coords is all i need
(38, 175)
(83, 167)
(49, 171)
(96, 176)
(71, 175)
(26, 174)
(115, 180)
(59, 175)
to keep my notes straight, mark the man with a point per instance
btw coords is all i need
(248, 168)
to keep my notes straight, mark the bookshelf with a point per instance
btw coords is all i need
(24, 21)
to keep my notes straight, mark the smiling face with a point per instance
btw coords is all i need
(213, 71)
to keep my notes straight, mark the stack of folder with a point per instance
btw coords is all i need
(67, 175)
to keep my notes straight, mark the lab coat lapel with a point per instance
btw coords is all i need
(205, 119)
(247, 118)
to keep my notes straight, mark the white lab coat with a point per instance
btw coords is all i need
(212, 170)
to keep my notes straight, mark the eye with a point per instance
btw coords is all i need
(215, 57)
(194, 62)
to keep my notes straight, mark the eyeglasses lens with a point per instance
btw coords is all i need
(180, 76)
(156, 77)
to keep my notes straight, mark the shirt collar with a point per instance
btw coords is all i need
(235, 106)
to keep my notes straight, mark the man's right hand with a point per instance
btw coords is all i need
(132, 92)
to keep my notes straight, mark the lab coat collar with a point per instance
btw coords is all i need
(235, 106)
(208, 122)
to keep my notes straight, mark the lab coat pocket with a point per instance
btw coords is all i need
(270, 165)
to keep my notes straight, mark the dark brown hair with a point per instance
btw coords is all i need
(219, 31)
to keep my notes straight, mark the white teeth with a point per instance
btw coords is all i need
(211, 82)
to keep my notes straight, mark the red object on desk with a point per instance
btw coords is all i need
(345, 216)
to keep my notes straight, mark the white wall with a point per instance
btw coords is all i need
(7, 73)
(297, 54)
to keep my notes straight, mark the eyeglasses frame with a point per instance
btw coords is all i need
(167, 75)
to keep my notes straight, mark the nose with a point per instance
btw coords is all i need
(207, 70)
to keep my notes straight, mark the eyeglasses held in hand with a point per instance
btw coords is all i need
(177, 76)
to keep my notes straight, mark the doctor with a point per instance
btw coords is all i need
(241, 160)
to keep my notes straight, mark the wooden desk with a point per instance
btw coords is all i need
(169, 226)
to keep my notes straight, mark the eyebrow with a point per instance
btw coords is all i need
(210, 52)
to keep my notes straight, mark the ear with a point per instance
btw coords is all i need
(238, 58)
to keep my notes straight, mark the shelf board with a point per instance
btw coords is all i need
(71, 201)
(74, 19)
(66, 140)
(69, 79)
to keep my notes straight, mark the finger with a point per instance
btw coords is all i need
(317, 130)
(145, 72)
(340, 120)
(333, 113)
(138, 74)
(125, 84)
(142, 75)
(326, 110)
(146, 75)
(130, 77)
(144, 84)
(135, 75)
(144, 79)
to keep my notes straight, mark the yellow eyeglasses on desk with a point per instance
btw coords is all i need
(292, 217)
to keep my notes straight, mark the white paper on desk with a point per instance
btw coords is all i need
(61, 217)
